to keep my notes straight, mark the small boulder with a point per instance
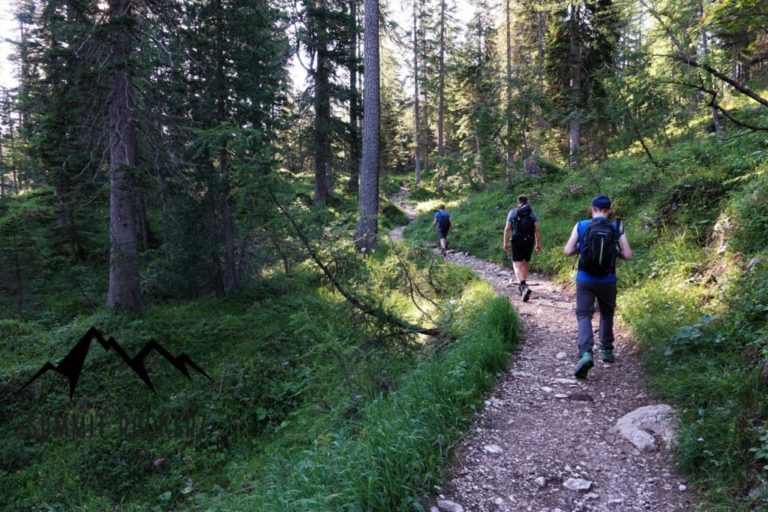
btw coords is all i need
(642, 426)
(449, 506)
(541, 481)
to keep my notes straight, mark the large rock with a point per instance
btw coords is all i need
(643, 428)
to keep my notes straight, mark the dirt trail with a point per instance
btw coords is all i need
(541, 426)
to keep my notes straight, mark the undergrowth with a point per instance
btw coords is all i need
(311, 404)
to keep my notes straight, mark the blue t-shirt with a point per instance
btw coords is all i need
(583, 276)
(511, 218)
(438, 215)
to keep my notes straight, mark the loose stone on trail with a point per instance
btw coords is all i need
(577, 484)
(449, 506)
(493, 449)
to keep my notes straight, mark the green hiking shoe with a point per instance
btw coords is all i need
(583, 366)
(606, 355)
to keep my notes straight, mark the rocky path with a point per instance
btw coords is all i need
(544, 441)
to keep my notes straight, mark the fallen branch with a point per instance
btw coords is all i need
(681, 56)
(638, 134)
(412, 285)
(713, 103)
(380, 315)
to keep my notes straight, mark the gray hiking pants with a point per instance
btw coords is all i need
(586, 294)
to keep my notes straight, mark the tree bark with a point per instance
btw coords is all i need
(441, 85)
(322, 128)
(416, 126)
(574, 131)
(540, 42)
(508, 114)
(124, 288)
(354, 109)
(705, 54)
(366, 236)
(230, 266)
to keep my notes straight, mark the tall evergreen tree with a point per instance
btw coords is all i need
(366, 236)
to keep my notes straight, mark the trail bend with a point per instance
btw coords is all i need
(542, 427)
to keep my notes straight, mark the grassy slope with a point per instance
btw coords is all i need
(700, 315)
(309, 402)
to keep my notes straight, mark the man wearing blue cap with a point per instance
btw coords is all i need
(598, 242)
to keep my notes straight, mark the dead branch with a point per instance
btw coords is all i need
(380, 315)
(713, 103)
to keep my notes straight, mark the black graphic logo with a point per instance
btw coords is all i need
(72, 364)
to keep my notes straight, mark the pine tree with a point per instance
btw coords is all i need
(366, 236)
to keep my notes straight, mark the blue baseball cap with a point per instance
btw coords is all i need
(602, 202)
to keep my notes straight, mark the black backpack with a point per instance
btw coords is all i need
(444, 221)
(523, 226)
(600, 248)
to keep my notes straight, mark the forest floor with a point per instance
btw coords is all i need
(542, 427)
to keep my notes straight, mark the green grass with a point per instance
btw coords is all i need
(312, 405)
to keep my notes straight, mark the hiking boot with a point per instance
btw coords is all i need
(606, 355)
(442, 253)
(526, 291)
(583, 366)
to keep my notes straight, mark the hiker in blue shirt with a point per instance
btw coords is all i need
(442, 224)
(522, 230)
(599, 243)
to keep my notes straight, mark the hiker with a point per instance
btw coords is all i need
(598, 242)
(522, 230)
(442, 224)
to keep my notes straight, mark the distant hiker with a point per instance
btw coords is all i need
(599, 243)
(522, 230)
(442, 224)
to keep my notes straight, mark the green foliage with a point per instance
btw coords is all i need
(303, 388)
(390, 456)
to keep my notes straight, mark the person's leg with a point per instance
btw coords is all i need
(606, 301)
(585, 310)
(521, 270)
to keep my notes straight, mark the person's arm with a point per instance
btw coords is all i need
(434, 223)
(537, 247)
(571, 245)
(625, 251)
(507, 234)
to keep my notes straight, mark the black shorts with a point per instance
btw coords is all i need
(522, 250)
(443, 233)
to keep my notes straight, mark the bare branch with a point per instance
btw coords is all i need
(354, 301)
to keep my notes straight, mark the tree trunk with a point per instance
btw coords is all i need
(2, 166)
(366, 236)
(141, 221)
(322, 127)
(705, 54)
(230, 265)
(19, 282)
(124, 292)
(441, 85)
(540, 42)
(322, 97)
(416, 126)
(574, 131)
(354, 107)
(509, 81)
